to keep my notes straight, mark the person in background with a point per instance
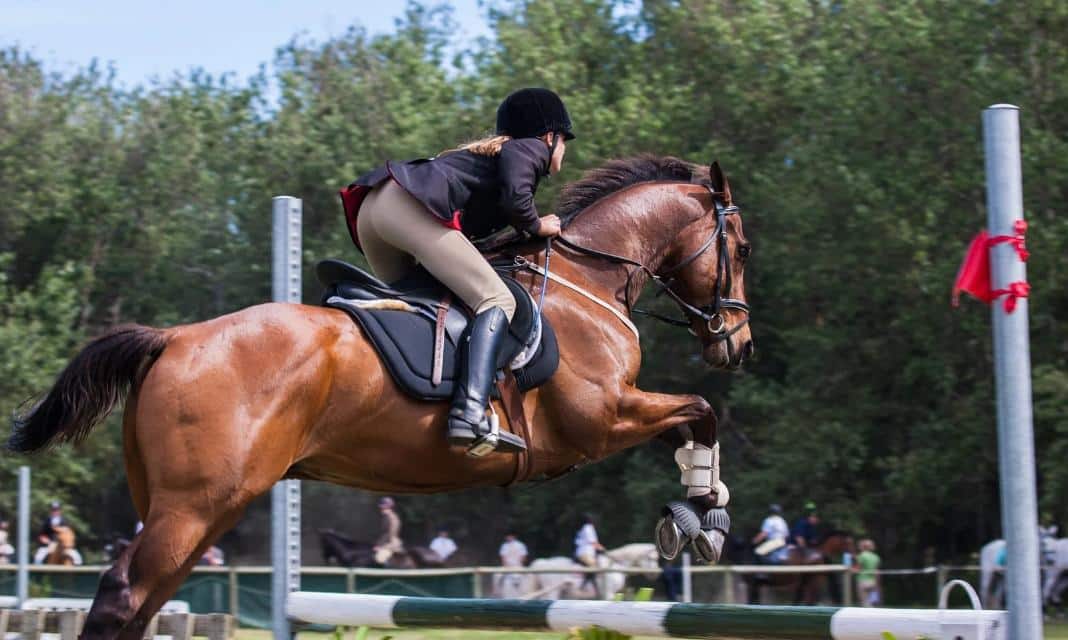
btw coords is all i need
(867, 579)
(671, 576)
(52, 520)
(6, 550)
(587, 546)
(389, 541)
(513, 553)
(213, 557)
(771, 543)
(443, 545)
(805, 533)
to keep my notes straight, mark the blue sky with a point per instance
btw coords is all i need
(152, 38)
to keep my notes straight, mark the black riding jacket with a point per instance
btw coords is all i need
(474, 193)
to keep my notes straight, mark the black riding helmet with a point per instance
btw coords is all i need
(531, 112)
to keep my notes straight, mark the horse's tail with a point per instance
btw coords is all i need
(88, 389)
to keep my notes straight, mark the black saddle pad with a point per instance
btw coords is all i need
(404, 339)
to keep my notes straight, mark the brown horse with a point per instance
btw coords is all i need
(806, 587)
(62, 551)
(219, 411)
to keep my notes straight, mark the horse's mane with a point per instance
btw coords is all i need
(616, 175)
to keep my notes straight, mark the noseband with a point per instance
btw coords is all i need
(710, 314)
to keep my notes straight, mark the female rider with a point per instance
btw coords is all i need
(425, 211)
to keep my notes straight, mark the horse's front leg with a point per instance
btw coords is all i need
(702, 519)
(691, 422)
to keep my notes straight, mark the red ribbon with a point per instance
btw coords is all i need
(1015, 291)
(974, 275)
(1017, 240)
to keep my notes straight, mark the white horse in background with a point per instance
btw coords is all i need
(1056, 572)
(1053, 555)
(989, 571)
(569, 584)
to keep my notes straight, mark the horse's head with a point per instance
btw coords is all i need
(65, 537)
(837, 542)
(709, 277)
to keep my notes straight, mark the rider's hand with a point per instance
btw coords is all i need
(549, 226)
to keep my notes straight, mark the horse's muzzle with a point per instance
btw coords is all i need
(722, 355)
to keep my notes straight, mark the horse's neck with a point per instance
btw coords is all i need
(641, 223)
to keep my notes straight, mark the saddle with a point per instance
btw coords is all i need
(416, 325)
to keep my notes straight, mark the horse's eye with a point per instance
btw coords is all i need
(744, 251)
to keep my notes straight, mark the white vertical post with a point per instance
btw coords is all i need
(1012, 367)
(22, 554)
(687, 578)
(286, 212)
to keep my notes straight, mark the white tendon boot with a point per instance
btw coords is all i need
(681, 522)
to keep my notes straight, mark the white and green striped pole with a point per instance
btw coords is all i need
(658, 619)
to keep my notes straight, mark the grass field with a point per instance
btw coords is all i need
(1053, 631)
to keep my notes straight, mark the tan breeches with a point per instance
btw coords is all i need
(396, 231)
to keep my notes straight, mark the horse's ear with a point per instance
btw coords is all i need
(719, 182)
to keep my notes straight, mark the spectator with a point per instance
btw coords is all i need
(54, 519)
(513, 552)
(805, 533)
(671, 576)
(771, 542)
(443, 545)
(587, 546)
(389, 541)
(867, 578)
(213, 557)
(6, 550)
(44, 547)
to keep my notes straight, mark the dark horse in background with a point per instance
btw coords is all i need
(346, 552)
(219, 411)
(807, 588)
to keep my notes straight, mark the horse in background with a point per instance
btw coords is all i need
(1054, 569)
(347, 552)
(60, 550)
(807, 588)
(569, 585)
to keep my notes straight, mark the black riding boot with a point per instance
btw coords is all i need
(478, 366)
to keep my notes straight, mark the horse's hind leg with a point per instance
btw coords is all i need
(151, 569)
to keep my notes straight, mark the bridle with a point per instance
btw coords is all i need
(710, 314)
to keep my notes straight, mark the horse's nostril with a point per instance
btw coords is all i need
(748, 350)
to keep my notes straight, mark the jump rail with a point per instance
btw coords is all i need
(659, 619)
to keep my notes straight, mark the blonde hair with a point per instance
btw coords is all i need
(488, 146)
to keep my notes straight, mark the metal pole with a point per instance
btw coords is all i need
(285, 496)
(235, 594)
(687, 578)
(1012, 367)
(22, 554)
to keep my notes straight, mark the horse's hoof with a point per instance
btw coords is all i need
(708, 545)
(668, 537)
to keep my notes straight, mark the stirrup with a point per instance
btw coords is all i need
(495, 440)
